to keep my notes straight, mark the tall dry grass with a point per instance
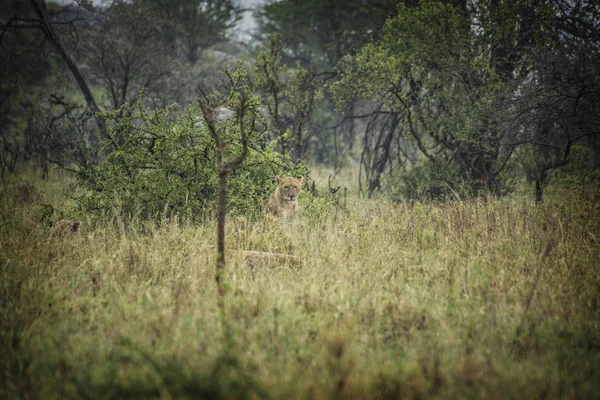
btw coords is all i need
(478, 299)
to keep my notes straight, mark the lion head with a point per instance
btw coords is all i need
(289, 187)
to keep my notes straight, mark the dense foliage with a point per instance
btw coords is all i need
(161, 166)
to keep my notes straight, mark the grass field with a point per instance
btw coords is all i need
(475, 299)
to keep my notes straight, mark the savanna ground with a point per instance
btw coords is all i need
(483, 298)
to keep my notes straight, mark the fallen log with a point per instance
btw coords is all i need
(255, 258)
(261, 257)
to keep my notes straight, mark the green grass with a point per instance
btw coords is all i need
(481, 299)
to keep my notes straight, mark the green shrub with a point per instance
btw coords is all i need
(427, 180)
(160, 166)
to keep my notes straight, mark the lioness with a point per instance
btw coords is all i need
(283, 202)
(64, 227)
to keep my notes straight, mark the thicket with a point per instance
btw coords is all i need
(162, 164)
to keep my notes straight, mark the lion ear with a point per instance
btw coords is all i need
(277, 179)
(300, 178)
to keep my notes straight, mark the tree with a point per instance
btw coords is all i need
(558, 108)
(35, 16)
(289, 98)
(317, 35)
(322, 32)
(191, 26)
(126, 55)
(21, 66)
(245, 105)
(443, 70)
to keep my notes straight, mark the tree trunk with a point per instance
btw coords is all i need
(221, 234)
(192, 54)
(539, 187)
(379, 164)
(46, 27)
(223, 168)
(539, 183)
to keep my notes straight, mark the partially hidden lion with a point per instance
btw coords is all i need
(63, 228)
(283, 203)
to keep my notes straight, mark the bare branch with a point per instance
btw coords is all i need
(208, 114)
(231, 165)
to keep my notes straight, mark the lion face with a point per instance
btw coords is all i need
(289, 187)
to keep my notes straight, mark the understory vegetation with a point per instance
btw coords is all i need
(479, 298)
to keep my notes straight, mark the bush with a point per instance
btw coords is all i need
(160, 166)
(427, 180)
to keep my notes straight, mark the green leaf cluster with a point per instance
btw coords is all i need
(161, 166)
